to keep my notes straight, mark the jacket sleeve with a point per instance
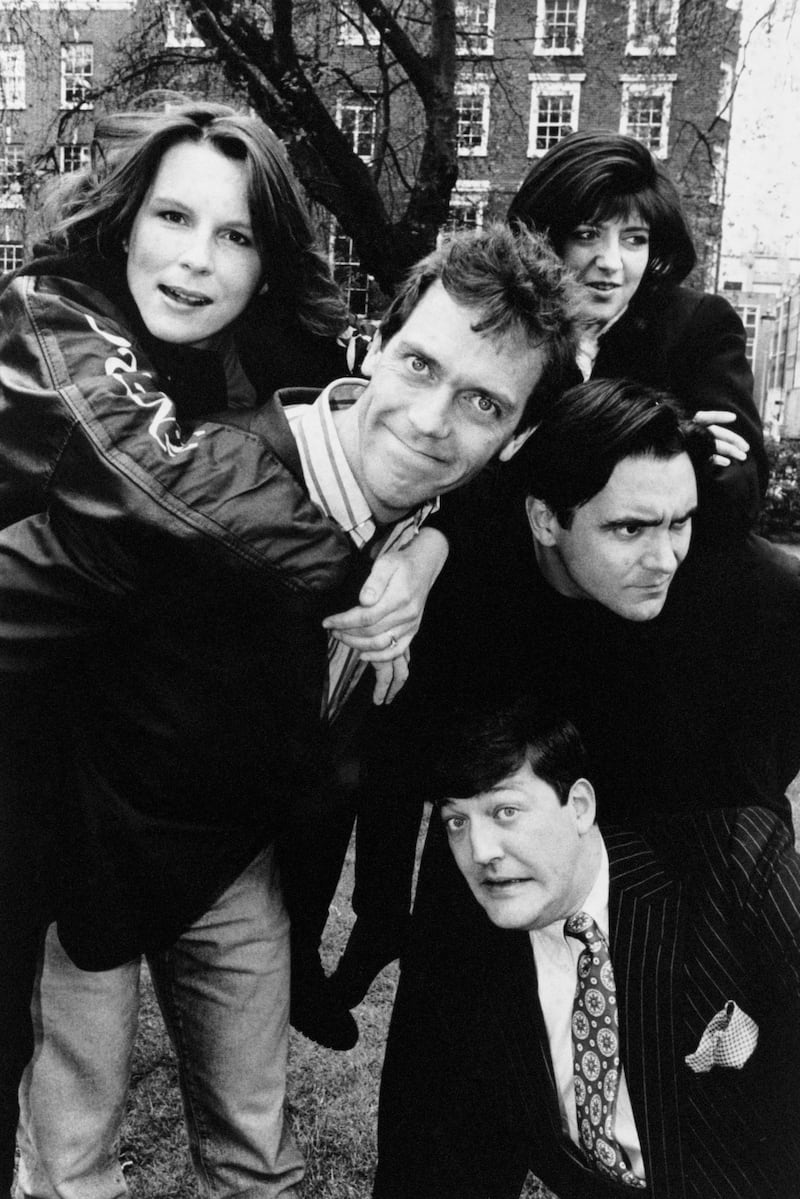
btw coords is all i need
(87, 435)
(710, 372)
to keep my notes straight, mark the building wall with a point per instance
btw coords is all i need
(579, 54)
(52, 128)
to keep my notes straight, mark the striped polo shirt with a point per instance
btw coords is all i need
(333, 487)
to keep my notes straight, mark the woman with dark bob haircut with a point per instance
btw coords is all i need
(614, 216)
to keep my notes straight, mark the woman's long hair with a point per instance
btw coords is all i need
(593, 176)
(95, 210)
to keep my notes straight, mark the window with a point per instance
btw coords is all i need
(467, 205)
(349, 274)
(353, 27)
(181, 33)
(555, 107)
(472, 134)
(652, 26)
(10, 255)
(475, 27)
(74, 157)
(645, 111)
(77, 69)
(749, 315)
(12, 76)
(11, 164)
(357, 120)
(559, 26)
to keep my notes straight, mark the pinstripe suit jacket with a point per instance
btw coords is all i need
(704, 911)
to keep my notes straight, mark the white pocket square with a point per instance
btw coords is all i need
(729, 1040)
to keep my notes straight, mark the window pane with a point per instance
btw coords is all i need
(560, 24)
(646, 119)
(553, 120)
(10, 255)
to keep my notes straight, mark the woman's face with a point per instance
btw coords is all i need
(192, 262)
(609, 259)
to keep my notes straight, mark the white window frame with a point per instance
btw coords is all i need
(652, 43)
(539, 44)
(553, 84)
(353, 28)
(643, 86)
(470, 193)
(362, 108)
(352, 265)
(12, 255)
(469, 90)
(12, 76)
(475, 27)
(11, 196)
(69, 75)
(84, 156)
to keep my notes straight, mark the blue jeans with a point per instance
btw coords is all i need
(223, 989)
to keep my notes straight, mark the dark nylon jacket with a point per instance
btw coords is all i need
(168, 585)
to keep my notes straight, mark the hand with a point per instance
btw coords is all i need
(388, 616)
(390, 677)
(392, 600)
(728, 444)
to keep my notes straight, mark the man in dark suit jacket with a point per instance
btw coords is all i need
(701, 916)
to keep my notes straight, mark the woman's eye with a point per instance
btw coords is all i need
(238, 239)
(174, 218)
(417, 365)
(454, 824)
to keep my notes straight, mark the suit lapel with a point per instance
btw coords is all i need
(647, 913)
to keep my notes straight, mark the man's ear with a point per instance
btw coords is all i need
(542, 520)
(584, 805)
(374, 351)
(517, 442)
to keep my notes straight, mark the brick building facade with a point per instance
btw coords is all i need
(528, 71)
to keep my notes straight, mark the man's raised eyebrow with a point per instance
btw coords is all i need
(643, 522)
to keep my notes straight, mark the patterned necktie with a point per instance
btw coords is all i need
(595, 1048)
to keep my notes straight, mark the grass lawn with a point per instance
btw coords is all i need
(333, 1096)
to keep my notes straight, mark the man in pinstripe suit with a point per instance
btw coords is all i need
(702, 919)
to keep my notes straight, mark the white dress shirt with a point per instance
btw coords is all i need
(556, 957)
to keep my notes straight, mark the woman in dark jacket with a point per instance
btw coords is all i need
(614, 216)
(150, 744)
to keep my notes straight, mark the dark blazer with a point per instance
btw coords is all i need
(706, 911)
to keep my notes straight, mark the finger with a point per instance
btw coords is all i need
(720, 460)
(715, 418)
(401, 671)
(384, 675)
(727, 442)
(379, 578)
(367, 621)
(389, 641)
(389, 653)
(390, 678)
